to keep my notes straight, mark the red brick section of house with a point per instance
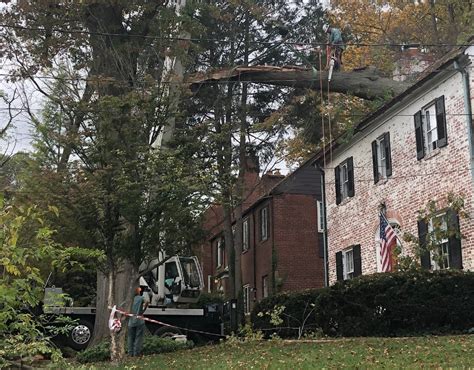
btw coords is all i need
(288, 256)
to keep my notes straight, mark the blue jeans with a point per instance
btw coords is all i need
(135, 339)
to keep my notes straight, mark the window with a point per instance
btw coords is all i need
(245, 235)
(319, 205)
(439, 258)
(441, 241)
(265, 286)
(348, 263)
(264, 223)
(344, 174)
(246, 292)
(381, 157)
(220, 252)
(430, 128)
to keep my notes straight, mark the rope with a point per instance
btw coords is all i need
(329, 124)
(163, 323)
(321, 107)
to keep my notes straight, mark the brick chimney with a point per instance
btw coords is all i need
(412, 61)
(251, 177)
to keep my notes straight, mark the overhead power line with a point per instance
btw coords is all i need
(177, 38)
(4, 109)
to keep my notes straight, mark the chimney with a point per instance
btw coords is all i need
(412, 60)
(251, 176)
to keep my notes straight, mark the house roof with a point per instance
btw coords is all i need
(425, 77)
(278, 188)
(215, 216)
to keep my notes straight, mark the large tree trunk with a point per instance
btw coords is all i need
(365, 83)
(114, 288)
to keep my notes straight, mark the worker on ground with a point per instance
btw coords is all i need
(335, 45)
(136, 326)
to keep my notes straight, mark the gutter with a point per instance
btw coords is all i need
(468, 110)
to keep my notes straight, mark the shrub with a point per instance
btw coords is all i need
(405, 303)
(98, 353)
(389, 304)
(151, 345)
(154, 344)
(298, 306)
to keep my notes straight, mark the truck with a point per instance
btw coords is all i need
(172, 286)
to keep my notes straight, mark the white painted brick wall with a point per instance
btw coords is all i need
(412, 184)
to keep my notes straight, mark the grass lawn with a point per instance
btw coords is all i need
(439, 352)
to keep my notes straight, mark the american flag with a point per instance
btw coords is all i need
(388, 240)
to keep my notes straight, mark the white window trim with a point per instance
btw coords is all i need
(381, 159)
(264, 223)
(441, 243)
(245, 234)
(265, 286)
(345, 269)
(219, 251)
(246, 291)
(430, 144)
(320, 216)
(344, 182)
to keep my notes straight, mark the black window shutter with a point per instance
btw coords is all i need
(339, 271)
(425, 254)
(337, 173)
(350, 175)
(375, 161)
(357, 260)
(441, 123)
(455, 255)
(388, 153)
(420, 146)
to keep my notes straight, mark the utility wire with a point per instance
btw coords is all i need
(260, 115)
(400, 177)
(108, 34)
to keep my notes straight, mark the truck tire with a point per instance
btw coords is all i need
(80, 335)
(166, 332)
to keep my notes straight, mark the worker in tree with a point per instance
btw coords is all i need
(335, 46)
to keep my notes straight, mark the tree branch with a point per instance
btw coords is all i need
(365, 83)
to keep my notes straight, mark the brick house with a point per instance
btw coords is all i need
(282, 242)
(416, 148)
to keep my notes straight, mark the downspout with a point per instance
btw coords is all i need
(254, 244)
(325, 236)
(468, 109)
(274, 255)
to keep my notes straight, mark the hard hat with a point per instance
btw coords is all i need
(325, 28)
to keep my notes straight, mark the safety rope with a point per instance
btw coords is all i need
(163, 323)
(321, 107)
(329, 116)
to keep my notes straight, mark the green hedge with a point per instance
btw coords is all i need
(389, 304)
(151, 345)
(297, 306)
